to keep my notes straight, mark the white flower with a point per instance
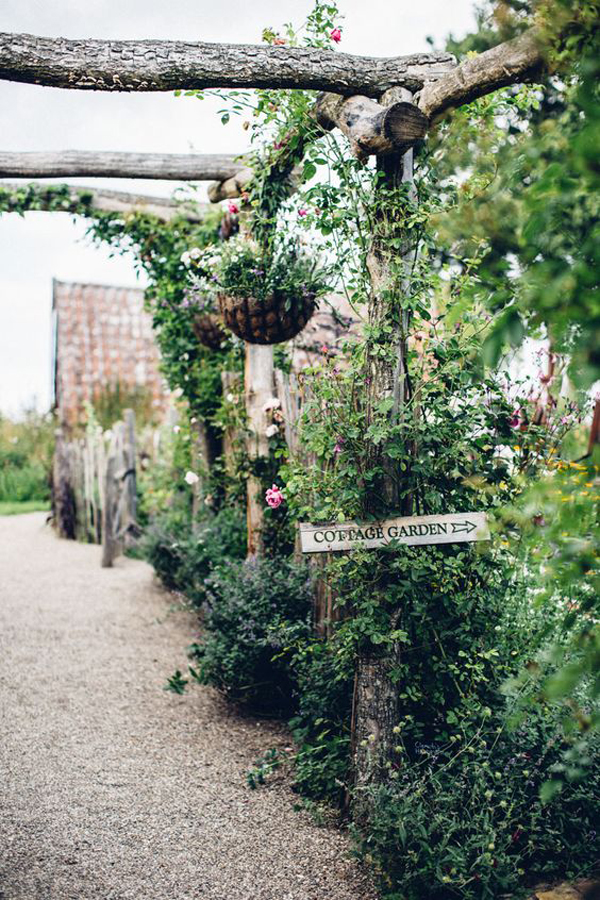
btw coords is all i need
(230, 398)
(271, 431)
(176, 429)
(178, 392)
(195, 253)
(193, 420)
(272, 403)
(186, 258)
(191, 478)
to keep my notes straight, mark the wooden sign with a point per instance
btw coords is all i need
(443, 529)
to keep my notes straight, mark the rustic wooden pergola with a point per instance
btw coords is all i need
(383, 106)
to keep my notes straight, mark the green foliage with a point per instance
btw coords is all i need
(530, 196)
(17, 508)
(264, 766)
(242, 268)
(321, 726)
(465, 819)
(185, 555)
(176, 683)
(256, 612)
(26, 448)
(110, 403)
(49, 197)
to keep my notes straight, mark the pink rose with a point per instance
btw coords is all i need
(232, 207)
(336, 35)
(302, 213)
(516, 419)
(274, 496)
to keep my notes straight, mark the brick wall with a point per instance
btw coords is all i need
(103, 338)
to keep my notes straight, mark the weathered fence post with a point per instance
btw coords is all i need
(375, 712)
(109, 544)
(129, 479)
(231, 385)
(258, 388)
(63, 497)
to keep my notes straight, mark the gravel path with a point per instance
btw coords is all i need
(111, 787)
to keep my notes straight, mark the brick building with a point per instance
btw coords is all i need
(102, 341)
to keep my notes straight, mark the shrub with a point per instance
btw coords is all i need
(465, 819)
(26, 448)
(184, 558)
(256, 613)
(321, 726)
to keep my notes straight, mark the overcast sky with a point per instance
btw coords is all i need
(40, 246)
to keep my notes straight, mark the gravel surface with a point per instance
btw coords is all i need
(113, 788)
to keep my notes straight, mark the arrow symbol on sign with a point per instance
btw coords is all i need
(463, 526)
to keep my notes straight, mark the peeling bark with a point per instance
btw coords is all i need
(109, 164)
(155, 65)
(375, 712)
(376, 716)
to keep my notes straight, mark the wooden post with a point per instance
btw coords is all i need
(109, 544)
(129, 485)
(231, 385)
(63, 497)
(375, 712)
(258, 388)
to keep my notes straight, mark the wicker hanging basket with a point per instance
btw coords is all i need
(267, 320)
(209, 330)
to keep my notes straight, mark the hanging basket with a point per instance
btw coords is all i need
(209, 330)
(267, 320)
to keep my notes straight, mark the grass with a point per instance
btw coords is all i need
(16, 507)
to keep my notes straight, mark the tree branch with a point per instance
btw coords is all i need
(44, 197)
(512, 62)
(172, 65)
(76, 163)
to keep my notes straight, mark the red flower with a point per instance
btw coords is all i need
(336, 35)
(232, 207)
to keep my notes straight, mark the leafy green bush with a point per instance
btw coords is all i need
(183, 557)
(257, 611)
(465, 819)
(321, 726)
(26, 448)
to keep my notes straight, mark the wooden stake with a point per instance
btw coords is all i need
(109, 544)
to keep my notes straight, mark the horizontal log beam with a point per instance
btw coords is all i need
(512, 62)
(108, 164)
(44, 197)
(172, 65)
(370, 127)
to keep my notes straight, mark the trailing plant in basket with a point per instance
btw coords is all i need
(242, 267)
(266, 292)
